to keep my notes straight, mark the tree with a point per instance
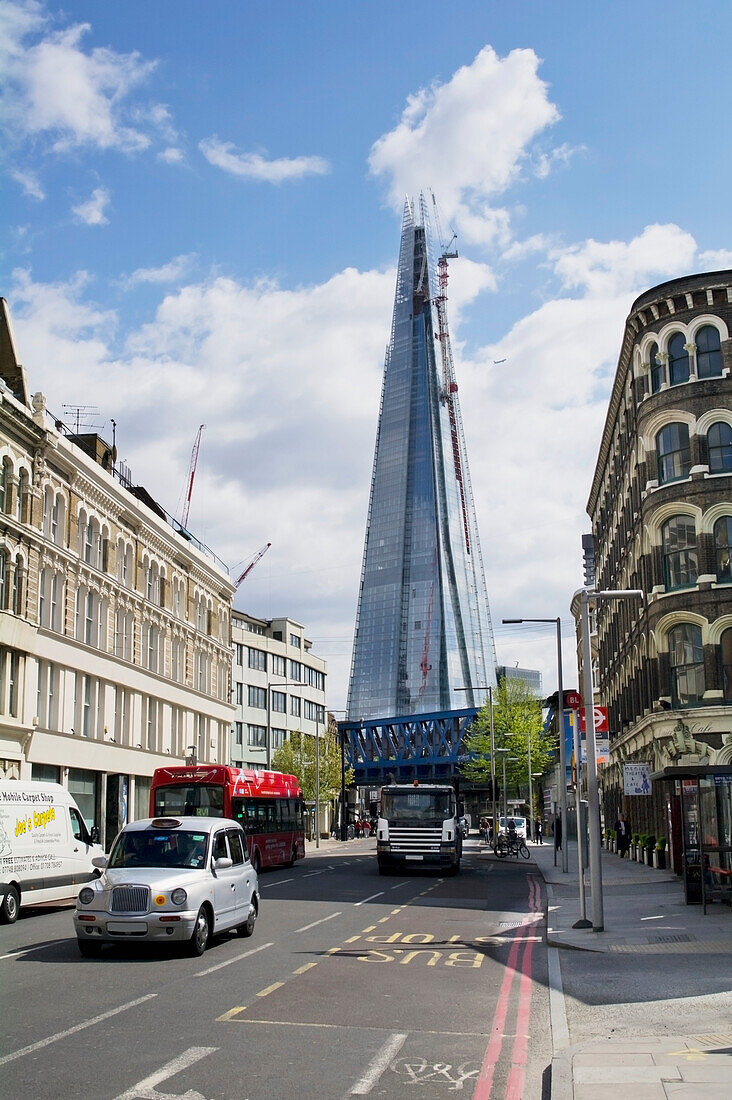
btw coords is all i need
(297, 756)
(517, 724)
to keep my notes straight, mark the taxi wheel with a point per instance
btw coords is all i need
(199, 939)
(10, 906)
(90, 949)
(247, 928)
(256, 863)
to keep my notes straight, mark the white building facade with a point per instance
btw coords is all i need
(115, 629)
(278, 686)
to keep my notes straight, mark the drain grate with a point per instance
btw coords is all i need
(683, 938)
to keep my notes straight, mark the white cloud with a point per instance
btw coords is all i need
(254, 166)
(610, 267)
(467, 139)
(55, 86)
(716, 259)
(171, 272)
(171, 155)
(545, 163)
(29, 182)
(91, 212)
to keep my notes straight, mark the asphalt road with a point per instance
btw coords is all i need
(353, 984)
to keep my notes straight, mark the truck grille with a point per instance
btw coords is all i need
(130, 899)
(415, 840)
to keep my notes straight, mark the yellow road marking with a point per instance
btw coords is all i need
(332, 950)
(382, 919)
(352, 939)
(231, 1014)
(369, 929)
(302, 969)
(270, 989)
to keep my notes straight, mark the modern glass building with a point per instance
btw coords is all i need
(424, 641)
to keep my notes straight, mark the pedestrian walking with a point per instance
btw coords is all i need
(622, 832)
(538, 831)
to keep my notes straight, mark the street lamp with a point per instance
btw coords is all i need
(593, 797)
(560, 724)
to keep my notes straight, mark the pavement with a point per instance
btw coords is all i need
(644, 912)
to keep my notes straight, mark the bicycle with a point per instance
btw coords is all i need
(511, 846)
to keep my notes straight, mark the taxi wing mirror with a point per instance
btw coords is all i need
(223, 863)
(100, 862)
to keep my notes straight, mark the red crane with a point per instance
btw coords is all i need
(259, 554)
(191, 476)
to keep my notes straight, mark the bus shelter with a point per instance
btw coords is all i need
(703, 794)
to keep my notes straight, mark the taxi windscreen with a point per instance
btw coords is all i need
(151, 848)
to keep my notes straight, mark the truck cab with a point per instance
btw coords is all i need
(418, 827)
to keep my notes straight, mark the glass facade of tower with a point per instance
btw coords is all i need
(423, 631)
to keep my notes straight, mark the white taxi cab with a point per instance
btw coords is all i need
(182, 879)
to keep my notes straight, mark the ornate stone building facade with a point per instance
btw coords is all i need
(115, 626)
(661, 510)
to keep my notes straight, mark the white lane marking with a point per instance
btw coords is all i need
(378, 1064)
(322, 920)
(236, 959)
(557, 1007)
(18, 951)
(266, 885)
(405, 883)
(73, 1030)
(311, 873)
(145, 1090)
(380, 894)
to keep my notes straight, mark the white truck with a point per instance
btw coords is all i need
(418, 827)
(46, 850)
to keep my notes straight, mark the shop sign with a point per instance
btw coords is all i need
(637, 778)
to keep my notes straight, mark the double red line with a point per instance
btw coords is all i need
(524, 938)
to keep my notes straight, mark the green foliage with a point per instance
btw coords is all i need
(297, 756)
(518, 725)
(661, 844)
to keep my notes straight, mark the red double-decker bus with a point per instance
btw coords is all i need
(268, 806)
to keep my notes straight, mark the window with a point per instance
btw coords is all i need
(656, 369)
(257, 737)
(21, 504)
(314, 678)
(294, 706)
(708, 353)
(719, 443)
(235, 847)
(238, 733)
(258, 659)
(279, 667)
(3, 578)
(239, 694)
(680, 566)
(295, 670)
(239, 653)
(295, 640)
(16, 594)
(686, 658)
(4, 484)
(314, 712)
(279, 702)
(723, 548)
(278, 738)
(257, 697)
(678, 360)
(674, 453)
(725, 652)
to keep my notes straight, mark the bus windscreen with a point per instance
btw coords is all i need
(189, 800)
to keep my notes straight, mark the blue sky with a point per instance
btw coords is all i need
(200, 224)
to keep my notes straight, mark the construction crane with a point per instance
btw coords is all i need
(259, 554)
(191, 476)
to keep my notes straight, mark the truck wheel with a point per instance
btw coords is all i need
(10, 906)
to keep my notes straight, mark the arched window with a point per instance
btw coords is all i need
(679, 552)
(723, 547)
(17, 593)
(686, 658)
(656, 369)
(22, 503)
(4, 484)
(48, 502)
(3, 579)
(678, 360)
(719, 444)
(674, 453)
(725, 653)
(708, 353)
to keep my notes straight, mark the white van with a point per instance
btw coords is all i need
(46, 850)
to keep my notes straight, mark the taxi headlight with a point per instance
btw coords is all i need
(178, 897)
(86, 896)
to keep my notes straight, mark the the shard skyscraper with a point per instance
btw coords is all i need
(424, 641)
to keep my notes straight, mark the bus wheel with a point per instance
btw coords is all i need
(10, 906)
(293, 857)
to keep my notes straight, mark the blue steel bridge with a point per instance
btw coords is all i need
(428, 747)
